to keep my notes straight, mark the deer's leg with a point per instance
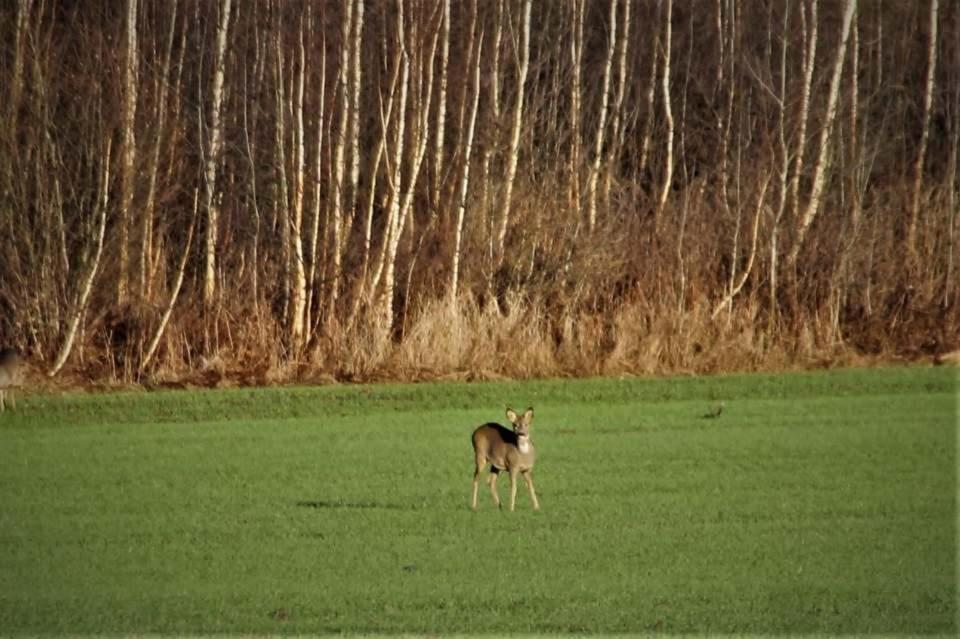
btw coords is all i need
(2, 407)
(513, 489)
(528, 477)
(476, 480)
(492, 481)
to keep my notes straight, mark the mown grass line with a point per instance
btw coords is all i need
(816, 503)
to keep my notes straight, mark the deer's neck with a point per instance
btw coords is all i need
(524, 444)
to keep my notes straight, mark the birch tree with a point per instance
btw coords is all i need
(298, 284)
(339, 150)
(438, 137)
(617, 128)
(131, 81)
(820, 169)
(513, 156)
(175, 291)
(924, 137)
(161, 89)
(467, 147)
(808, 63)
(668, 115)
(79, 306)
(213, 148)
(576, 98)
(594, 176)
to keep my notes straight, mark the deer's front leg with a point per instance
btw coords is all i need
(528, 477)
(513, 489)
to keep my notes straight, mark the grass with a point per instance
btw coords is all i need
(817, 503)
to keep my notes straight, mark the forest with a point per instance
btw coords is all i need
(263, 191)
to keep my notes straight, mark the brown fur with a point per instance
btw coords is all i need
(505, 449)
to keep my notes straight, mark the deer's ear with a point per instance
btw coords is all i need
(512, 416)
(528, 415)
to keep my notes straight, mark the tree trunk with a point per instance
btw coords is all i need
(602, 123)
(514, 153)
(467, 146)
(213, 158)
(175, 292)
(128, 154)
(820, 170)
(83, 296)
(911, 235)
(668, 114)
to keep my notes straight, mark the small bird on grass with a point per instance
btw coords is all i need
(714, 412)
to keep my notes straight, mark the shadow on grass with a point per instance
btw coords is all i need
(353, 505)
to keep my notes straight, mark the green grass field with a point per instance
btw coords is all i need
(817, 503)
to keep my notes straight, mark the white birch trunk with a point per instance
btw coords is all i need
(820, 169)
(465, 178)
(298, 283)
(128, 155)
(734, 289)
(668, 114)
(312, 283)
(339, 163)
(160, 119)
(492, 145)
(385, 307)
(419, 135)
(783, 177)
(354, 135)
(83, 296)
(617, 128)
(438, 138)
(175, 292)
(213, 158)
(594, 176)
(576, 98)
(514, 154)
(924, 137)
(648, 99)
(808, 62)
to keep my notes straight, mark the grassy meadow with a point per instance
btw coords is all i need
(819, 502)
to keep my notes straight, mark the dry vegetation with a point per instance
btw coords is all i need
(258, 191)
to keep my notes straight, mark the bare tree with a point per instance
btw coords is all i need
(668, 115)
(911, 236)
(820, 169)
(576, 98)
(162, 89)
(602, 120)
(438, 137)
(467, 148)
(79, 306)
(128, 153)
(213, 148)
(513, 156)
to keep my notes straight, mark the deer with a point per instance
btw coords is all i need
(10, 366)
(505, 449)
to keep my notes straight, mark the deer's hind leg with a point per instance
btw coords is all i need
(480, 463)
(492, 480)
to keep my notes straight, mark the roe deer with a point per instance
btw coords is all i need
(505, 449)
(10, 364)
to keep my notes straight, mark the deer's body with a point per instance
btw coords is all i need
(10, 364)
(505, 450)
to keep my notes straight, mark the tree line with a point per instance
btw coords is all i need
(262, 190)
